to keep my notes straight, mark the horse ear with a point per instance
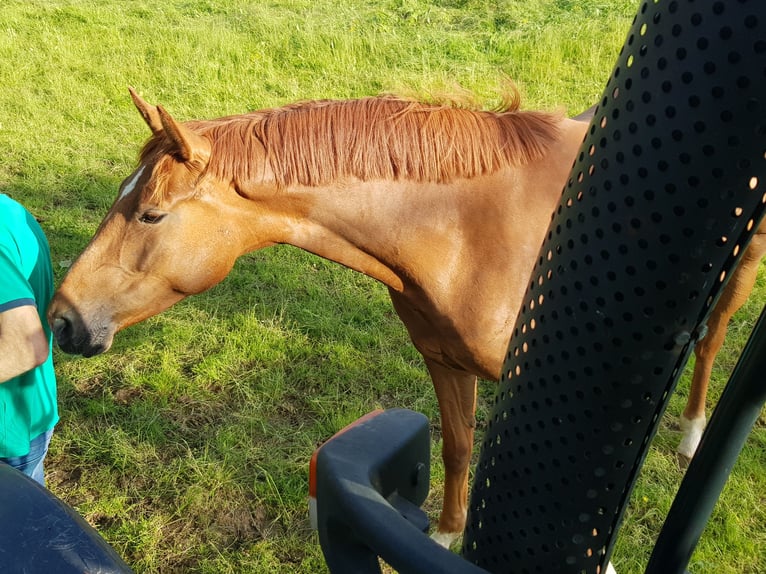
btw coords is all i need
(148, 112)
(188, 144)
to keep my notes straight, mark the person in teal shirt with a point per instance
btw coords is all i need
(28, 404)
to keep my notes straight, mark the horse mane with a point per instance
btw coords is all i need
(385, 137)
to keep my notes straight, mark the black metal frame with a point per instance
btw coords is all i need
(370, 482)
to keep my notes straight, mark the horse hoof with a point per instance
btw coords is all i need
(683, 460)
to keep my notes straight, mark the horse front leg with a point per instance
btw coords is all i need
(733, 297)
(456, 393)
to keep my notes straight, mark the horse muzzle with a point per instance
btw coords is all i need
(76, 336)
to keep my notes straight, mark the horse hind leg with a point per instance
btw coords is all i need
(456, 393)
(733, 297)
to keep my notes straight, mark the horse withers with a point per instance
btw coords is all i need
(446, 206)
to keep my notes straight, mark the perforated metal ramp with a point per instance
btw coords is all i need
(664, 196)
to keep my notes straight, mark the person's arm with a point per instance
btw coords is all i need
(23, 344)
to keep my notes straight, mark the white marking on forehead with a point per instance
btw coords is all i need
(131, 185)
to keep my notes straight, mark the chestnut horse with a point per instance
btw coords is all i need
(447, 207)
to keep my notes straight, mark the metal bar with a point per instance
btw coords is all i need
(731, 423)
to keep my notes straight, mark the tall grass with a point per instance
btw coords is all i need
(187, 445)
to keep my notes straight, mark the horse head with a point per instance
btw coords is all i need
(167, 235)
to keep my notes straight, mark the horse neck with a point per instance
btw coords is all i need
(360, 225)
(398, 232)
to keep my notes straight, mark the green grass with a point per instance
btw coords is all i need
(187, 445)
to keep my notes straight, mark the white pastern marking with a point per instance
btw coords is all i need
(445, 539)
(692, 429)
(131, 185)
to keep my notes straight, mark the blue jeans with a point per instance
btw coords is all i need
(32, 464)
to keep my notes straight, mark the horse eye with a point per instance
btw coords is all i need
(151, 218)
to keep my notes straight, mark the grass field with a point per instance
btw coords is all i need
(187, 445)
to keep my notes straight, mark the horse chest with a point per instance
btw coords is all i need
(452, 339)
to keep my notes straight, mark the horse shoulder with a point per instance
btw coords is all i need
(465, 314)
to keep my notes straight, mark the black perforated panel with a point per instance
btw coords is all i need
(664, 195)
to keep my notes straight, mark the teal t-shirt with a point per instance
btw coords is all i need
(28, 405)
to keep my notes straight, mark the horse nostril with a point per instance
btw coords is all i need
(62, 328)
